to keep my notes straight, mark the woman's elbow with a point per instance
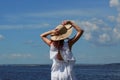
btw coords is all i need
(81, 31)
(41, 35)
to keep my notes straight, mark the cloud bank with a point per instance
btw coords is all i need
(100, 32)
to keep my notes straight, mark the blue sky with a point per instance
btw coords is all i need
(22, 21)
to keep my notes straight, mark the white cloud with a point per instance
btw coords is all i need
(100, 32)
(23, 26)
(16, 56)
(88, 36)
(20, 55)
(75, 12)
(29, 42)
(89, 26)
(112, 18)
(116, 33)
(114, 3)
(118, 18)
(104, 38)
(1, 37)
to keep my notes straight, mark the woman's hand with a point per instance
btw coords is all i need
(67, 22)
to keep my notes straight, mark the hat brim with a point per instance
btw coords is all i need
(63, 36)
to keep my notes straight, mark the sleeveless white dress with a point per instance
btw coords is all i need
(62, 70)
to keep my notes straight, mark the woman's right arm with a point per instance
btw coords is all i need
(45, 38)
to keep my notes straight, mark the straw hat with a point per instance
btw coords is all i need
(64, 32)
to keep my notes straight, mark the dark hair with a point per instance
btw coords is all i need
(58, 44)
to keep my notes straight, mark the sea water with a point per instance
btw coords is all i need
(42, 72)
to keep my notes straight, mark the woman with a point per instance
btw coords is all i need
(61, 50)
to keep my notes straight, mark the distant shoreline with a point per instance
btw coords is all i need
(110, 64)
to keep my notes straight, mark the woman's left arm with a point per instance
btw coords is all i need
(78, 34)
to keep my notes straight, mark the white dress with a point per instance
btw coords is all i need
(62, 70)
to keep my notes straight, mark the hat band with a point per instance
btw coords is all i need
(61, 34)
